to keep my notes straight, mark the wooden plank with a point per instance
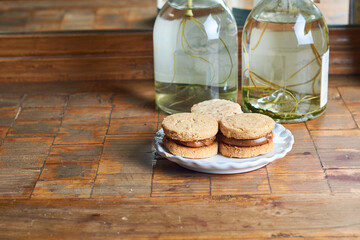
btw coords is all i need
(136, 126)
(344, 80)
(20, 162)
(113, 162)
(118, 56)
(130, 95)
(90, 100)
(344, 180)
(79, 162)
(338, 148)
(78, 19)
(17, 183)
(319, 216)
(171, 180)
(302, 158)
(62, 189)
(87, 115)
(135, 185)
(84, 125)
(118, 144)
(7, 116)
(336, 116)
(74, 68)
(69, 171)
(121, 42)
(64, 44)
(3, 131)
(74, 153)
(253, 183)
(140, 17)
(134, 112)
(24, 153)
(306, 183)
(10, 100)
(44, 101)
(355, 111)
(37, 122)
(344, 62)
(352, 101)
(35, 4)
(350, 94)
(81, 134)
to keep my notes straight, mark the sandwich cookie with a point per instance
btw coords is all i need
(217, 108)
(246, 135)
(190, 135)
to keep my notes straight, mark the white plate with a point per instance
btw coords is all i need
(218, 164)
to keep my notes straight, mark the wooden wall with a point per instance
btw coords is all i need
(119, 55)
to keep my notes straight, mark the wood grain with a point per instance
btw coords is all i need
(344, 180)
(352, 101)
(7, 116)
(261, 217)
(44, 101)
(37, 122)
(25, 152)
(171, 180)
(302, 158)
(255, 182)
(73, 188)
(84, 125)
(338, 148)
(10, 100)
(136, 185)
(90, 100)
(119, 56)
(100, 177)
(336, 116)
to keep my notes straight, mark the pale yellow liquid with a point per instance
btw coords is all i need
(198, 68)
(285, 65)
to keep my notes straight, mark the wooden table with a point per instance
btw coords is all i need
(77, 161)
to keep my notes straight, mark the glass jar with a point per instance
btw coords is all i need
(285, 60)
(195, 54)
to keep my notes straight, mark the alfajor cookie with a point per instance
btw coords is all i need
(190, 135)
(246, 135)
(217, 108)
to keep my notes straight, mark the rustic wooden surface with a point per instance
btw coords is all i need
(69, 15)
(77, 161)
(119, 56)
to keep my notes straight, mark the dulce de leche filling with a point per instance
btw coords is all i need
(247, 142)
(197, 143)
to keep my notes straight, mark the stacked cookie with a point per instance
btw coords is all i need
(217, 108)
(246, 135)
(196, 135)
(191, 135)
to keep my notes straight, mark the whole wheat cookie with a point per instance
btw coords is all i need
(217, 108)
(244, 152)
(190, 135)
(246, 126)
(189, 126)
(246, 135)
(191, 152)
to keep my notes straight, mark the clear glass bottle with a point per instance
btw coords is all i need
(195, 54)
(285, 60)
